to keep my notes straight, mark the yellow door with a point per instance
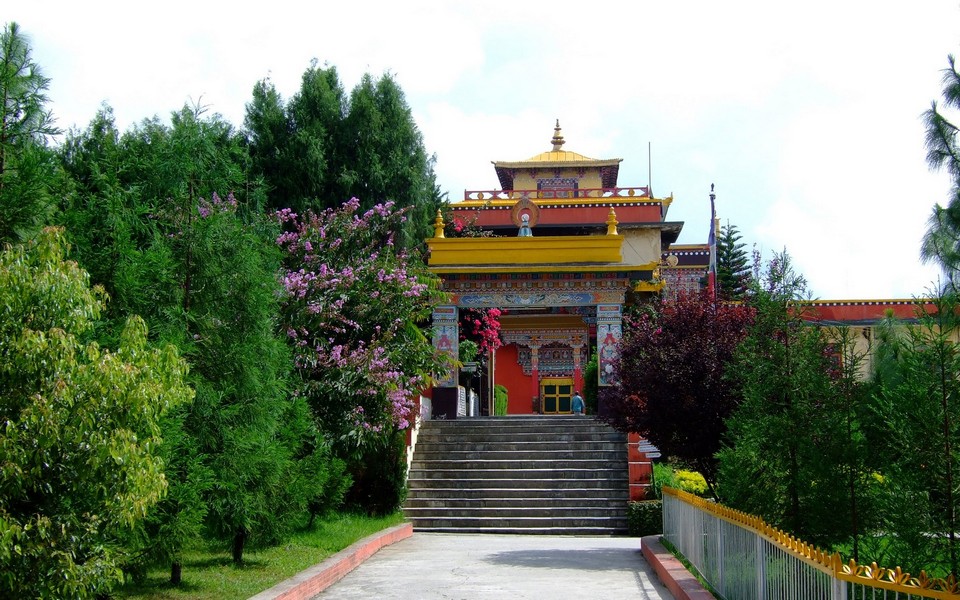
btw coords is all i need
(556, 394)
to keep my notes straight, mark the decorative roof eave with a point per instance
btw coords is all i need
(582, 161)
(609, 168)
(542, 268)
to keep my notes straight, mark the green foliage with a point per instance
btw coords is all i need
(323, 146)
(663, 475)
(468, 351)
(81, 427)
(27, 168)
(202, 270)
(733, 264)
(499, 400)
(591, 383)
(941, 243)
(644, 518)
(919, 414)
(380, 475)
(691, 481)
(794, 430)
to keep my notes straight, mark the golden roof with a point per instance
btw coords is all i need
(556, 157)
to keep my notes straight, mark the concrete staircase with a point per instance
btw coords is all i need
(524, 474)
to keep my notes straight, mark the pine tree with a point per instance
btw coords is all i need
(941, 243)
(26, 165)
(733, 264)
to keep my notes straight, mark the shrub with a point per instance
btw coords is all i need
(645, 518)
(499, 400)
(663, 475)
(691, 481)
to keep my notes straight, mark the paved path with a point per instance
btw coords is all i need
(433, 566)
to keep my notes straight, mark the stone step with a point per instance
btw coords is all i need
(574, 531)
(518, 464)
(598, 501)
(418, 482)
(559, 437)
(547, 475)
(515, 446)
(618, 474)
(486, 523)
(529, 494)
(554, 512)
(430, 452)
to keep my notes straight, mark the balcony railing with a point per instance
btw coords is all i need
(559, 194)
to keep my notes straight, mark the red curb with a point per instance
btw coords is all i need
(671, 572)
(310, 582)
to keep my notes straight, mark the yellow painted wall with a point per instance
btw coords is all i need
(640, 246)
(522, 180)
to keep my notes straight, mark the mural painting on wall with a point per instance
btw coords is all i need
(554, 360)
(446, 340)
(609, 332)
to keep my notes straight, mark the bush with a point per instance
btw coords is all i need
(499, 400)
(680, 479)
(379, 473)
(645, 518)
(691, 481)
(663, 475)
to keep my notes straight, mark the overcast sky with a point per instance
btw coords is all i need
(806, 115)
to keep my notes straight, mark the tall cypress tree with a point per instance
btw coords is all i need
(26, 165)
(733, 264)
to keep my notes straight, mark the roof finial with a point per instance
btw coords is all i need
(557, 140)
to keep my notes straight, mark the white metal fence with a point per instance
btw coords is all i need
(743, 558)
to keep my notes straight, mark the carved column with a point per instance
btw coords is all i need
(535, 374)
(609, 331)
(446, 336)
(577, 345)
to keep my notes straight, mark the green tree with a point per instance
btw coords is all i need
(323, 146)
(918, 406)
(80, 428)
(941, 243)
(296, 147)
(202, 270)
(733, 264)
(788, 445)
(26, 165)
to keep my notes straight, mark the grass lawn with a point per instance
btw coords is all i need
(209, 573)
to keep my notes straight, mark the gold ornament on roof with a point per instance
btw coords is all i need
(557, 140)
(438, 225)
(612, 222)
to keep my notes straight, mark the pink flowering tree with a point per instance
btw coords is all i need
(355, 312)
(482, 326)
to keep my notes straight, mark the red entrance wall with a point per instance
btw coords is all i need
(510, 375)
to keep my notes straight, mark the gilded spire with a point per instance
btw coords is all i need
(557, 140)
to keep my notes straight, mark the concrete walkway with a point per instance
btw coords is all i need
(432, 566)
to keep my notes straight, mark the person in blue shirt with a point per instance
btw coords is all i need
(576, 403)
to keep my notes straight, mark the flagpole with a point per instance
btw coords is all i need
(712, 241)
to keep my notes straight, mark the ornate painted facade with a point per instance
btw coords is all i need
(565, 249)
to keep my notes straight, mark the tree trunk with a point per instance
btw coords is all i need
(238, 540)
(176, 572)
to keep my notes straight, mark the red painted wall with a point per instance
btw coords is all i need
(568, 215)
(510, 375)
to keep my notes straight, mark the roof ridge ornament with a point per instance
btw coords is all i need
(557, 140)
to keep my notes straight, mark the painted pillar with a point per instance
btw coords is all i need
(446, 339)
(609, 332)
(535, 376)
(577, 346)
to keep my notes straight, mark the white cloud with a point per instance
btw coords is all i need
(806, 116)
